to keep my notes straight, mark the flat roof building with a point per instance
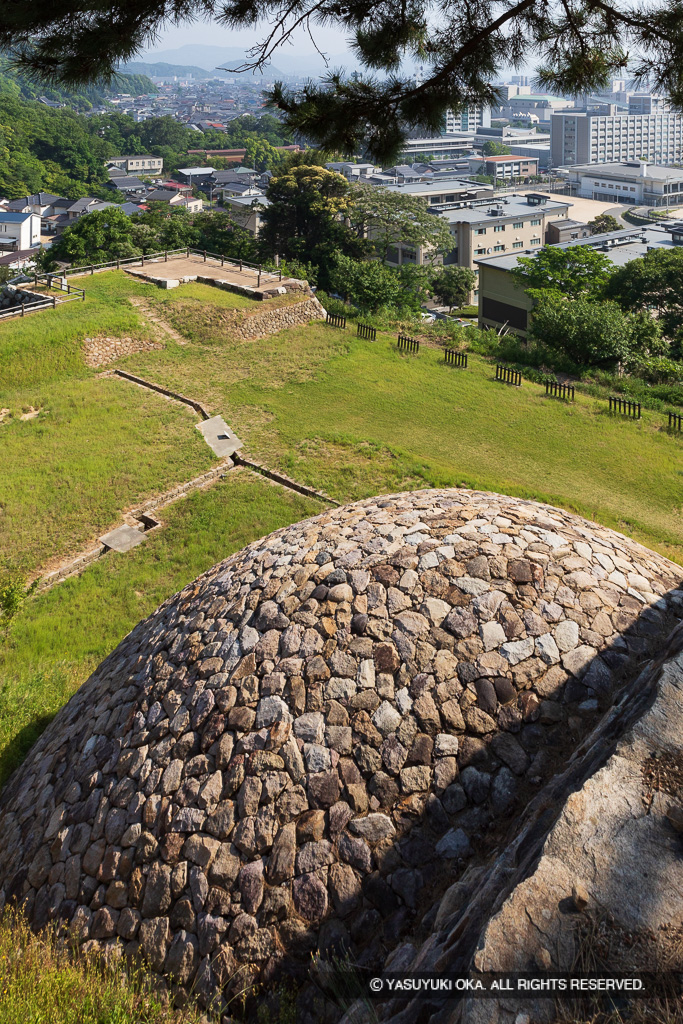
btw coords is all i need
(634, 181)
(600, 137)
(503, 303)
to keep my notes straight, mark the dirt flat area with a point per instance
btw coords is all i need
(181, 266)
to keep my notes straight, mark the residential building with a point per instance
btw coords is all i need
(195, 175)
(469, 119)
(353, 172)
(19, 231)
(175, 199)
(247, 211)
(503, 168)
(138, 164)
(599, 137)
(127, 183)
(487, 226)
(634, 181)
(503, 303)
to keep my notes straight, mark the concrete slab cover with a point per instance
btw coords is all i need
(219, 436)
(123, 538)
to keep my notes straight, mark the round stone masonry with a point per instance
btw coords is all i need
(306, 745)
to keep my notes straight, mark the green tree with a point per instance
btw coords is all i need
(603, 223)
(579, 270)
(579, 46)
(96, 238)
(390, 217)
(654, 284)
(306, 219)
(493, 148)
(372, 285)
(593, 333)
(452, 285)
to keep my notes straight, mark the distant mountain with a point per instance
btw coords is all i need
(161, 70)
(289, 62)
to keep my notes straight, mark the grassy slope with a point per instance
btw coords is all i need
(63, 634)
(99, 445)
(355, 418)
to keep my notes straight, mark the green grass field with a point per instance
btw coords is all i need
(350, 417)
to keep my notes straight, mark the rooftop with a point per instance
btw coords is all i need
(512, 207)
(15, 218)
(620, 246)
(438, 185)
(631, 170)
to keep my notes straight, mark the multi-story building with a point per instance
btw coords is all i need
(468, 119)
(634, 182)
(503, 303)
(595, 137)
(503, 168)
(646, 103)
(485, 227)
(138, 164)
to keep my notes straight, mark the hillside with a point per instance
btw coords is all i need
(11, 84)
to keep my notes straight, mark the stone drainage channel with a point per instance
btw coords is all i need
(141, 521)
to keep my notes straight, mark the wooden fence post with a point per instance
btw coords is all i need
(259, 278)
(165, 255)
(187, 254)
(205, 255)
(143, 259)
(222, 259)
(54, 301)
(22, 308)
(92, 270)
(240, 266)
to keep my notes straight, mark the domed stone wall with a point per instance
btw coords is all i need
(309, 742)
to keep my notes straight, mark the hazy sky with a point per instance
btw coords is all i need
(212, 34)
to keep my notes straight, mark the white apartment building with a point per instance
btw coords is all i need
(469, 119)
(593, 137)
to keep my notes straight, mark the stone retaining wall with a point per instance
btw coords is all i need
(103, 350)
(274, 320)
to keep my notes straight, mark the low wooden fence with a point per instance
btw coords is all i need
(508, 376)
(367, 332)
(334, 320)
(556, 390)
(455, 358)
(406, 344)
(675, 421)
(624, 407)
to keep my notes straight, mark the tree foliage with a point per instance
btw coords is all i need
(452, 285)
(603, 223)
(371, 285)
(573, 272)
(390, 217)
(461, 48)
(109, 235)
(594, 333)
(493, 148)
(653, 283)
(306, 219)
